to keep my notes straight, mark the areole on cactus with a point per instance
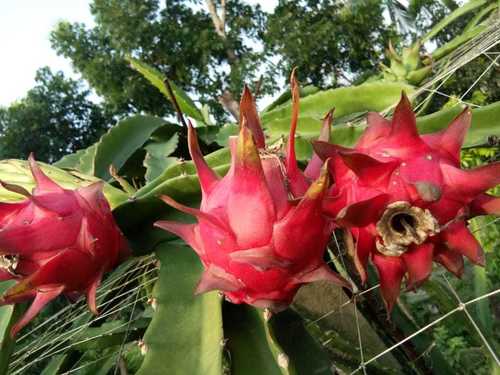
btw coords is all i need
(55, 242)
(260, 233)
(406, 200)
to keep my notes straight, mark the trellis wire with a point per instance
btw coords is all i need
(52, 345)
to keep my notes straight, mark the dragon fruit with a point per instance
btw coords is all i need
(260, 233)
(405, 199)
(55, 242)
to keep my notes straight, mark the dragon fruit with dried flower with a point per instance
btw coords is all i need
(260, 233)
(56, 241)
(406, 200)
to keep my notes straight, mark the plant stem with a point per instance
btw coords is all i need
(8, 342)
(395, 329)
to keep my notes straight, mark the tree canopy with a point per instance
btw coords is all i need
(203, 54)
(331, 43)
(213, 50)
(210, 49)
(55, 117)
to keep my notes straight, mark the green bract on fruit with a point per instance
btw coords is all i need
(260, 231)
(405, 199)
(56, 241)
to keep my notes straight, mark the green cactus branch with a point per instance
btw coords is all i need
(9, 315)
(457, 13)
(185, 335)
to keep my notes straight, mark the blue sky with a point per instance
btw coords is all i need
(24, 39)
(25, 26)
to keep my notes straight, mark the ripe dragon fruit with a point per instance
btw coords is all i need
(260, 233)
(405, 199)
(56, 241)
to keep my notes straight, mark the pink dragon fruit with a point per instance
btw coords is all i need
(405, 199)
(260, 233)
(56, 241)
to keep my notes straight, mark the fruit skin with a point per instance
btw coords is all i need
(260, 233)
(56, 241)
(405, 199)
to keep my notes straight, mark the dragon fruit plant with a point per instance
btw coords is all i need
(406, 200)
(260, 230)
(55, 242)
(260, 233)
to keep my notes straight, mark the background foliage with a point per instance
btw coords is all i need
(146, 304)
(55, 118)
(212, 64)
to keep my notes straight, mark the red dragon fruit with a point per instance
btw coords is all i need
(260, 233)
(405, 199)
(54, 242)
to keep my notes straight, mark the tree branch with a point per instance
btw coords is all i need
(219, 21)
(229, 104)
(223, 15)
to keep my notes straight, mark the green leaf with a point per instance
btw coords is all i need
(445, 301)
(96, 363)
(373, 96)
(251, 349)
(205, 111)
(185, 334)
(157, 157)
(178, 181)
(456, 42)
(6, 310)
(421, 342)
(217, 134)
(217, 160)
(5, 315)
(225, 132)
(9, 315)
(479, 16)
(54, 365)
(17, 172)
(157, 80)
(287, 95)
(71, 161)
(133, 357)
(115, 147)
(457, 13)
(279, 345)
(323, 304)
(109, 334)
(305, 354)
(81, 161)
(481, 282)
(484, 123)
(121, 141)
(87, 159)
